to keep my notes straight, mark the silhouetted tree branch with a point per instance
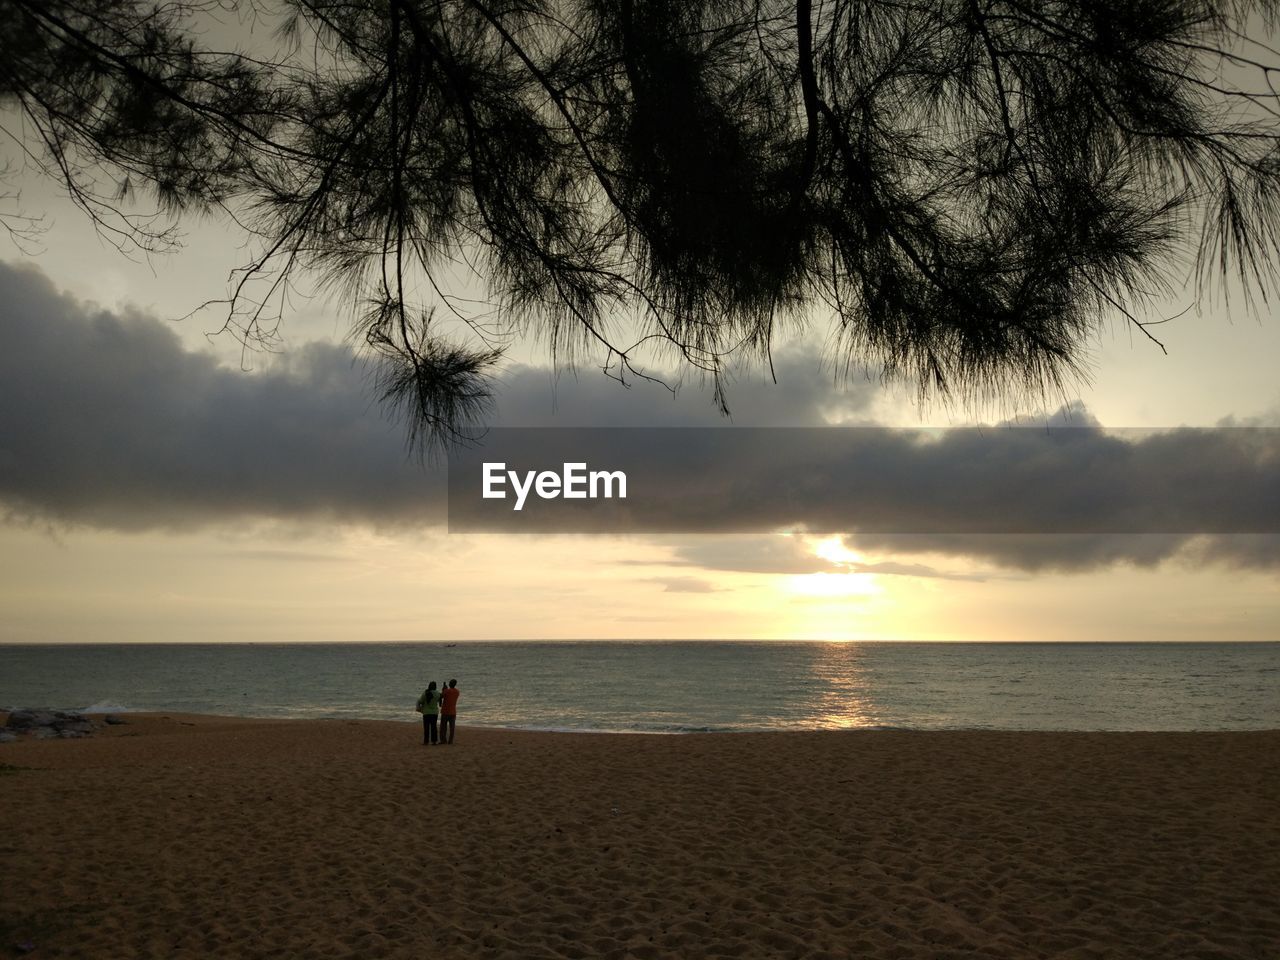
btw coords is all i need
(964, 189)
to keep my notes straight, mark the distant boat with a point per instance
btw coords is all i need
(447, 645)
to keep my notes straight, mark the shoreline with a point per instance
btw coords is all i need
(97, 716)
(186, 836)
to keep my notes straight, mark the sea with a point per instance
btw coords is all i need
(675, 687)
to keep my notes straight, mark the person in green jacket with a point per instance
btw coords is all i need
(429, 707)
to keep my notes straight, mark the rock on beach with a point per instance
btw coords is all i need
(43, 723)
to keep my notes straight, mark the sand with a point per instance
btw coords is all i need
(186, 837)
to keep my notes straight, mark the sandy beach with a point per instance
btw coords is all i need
(192, 836)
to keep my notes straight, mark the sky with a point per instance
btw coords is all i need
(160, 483)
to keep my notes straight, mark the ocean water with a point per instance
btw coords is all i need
(676, 687)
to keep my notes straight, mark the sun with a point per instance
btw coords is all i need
(845, 581)
(833, 549)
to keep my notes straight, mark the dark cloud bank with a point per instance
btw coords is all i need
(107, 420)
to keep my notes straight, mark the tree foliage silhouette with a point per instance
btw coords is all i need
(963, 189)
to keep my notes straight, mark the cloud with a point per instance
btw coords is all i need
(107, 419)
(288, 556)
(785, 555)
(891, 568)
(1057, 498)
(751, 554)
(1068, 552)
(1018, 554)
(685, 585)
(1247, 552)
(805, 394)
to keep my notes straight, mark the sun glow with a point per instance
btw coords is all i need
(837, 582)
(834, 585)
(833, 550)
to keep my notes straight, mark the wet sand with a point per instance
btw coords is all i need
(194, 837)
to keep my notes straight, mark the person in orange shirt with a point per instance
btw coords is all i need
(448, 711)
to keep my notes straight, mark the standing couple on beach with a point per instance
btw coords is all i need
(442, 702)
